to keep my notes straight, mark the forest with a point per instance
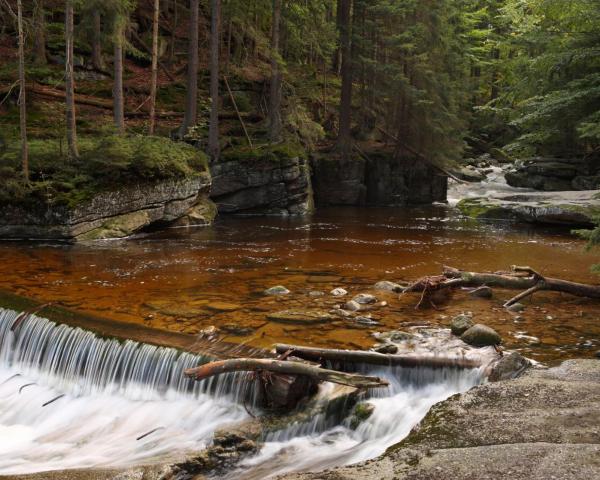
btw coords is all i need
(299, 239)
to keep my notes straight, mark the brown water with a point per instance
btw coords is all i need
(188, 280)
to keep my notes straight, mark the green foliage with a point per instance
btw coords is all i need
(105, 163)
(593, 238)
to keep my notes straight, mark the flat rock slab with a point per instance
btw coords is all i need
(301, 317)
(559, 208)
(543, 425)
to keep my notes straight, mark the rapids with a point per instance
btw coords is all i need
(71, 399)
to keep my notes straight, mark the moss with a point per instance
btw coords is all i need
(478, 208)
(272, 153)
(105, 163)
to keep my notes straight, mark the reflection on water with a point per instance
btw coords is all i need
(187, 280)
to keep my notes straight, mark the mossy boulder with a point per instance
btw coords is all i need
(481, 336)
(461, 323)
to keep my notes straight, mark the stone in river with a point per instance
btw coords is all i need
(481, 336)
(461, 323)
(315, 293)
(387, 286)
(223, 307)
(509, 366)
(236, 330)
(366, 321)
(352, 306)
(387, 348)
(364, 298)
(277, 290)
(482, 292)
(303, 317)
(339, 292)
(516, 307)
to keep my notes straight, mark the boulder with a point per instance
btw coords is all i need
(339, 292)
(362, 411)
(364, 299)
(554, 174)
(277, 290)
(352, 306)
(481, 336)
(509, 366)
(482, 292)
(387, 286)
(461, 323)
(559, 208)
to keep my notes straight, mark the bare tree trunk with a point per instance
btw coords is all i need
(344, 142)
(97, 59)
(191, 99)
(213, 130)
(69, 82)
(154, 67)
(275, 92)
(118, 101)
(39, 40)
(22, 94)
(285, 367)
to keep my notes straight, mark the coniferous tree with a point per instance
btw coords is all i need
(275, 125)
(70, 82)
(191, 98)
(154, 72)
(22, 93)
(213, 129)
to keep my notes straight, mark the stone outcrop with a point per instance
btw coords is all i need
(555, 174)
(113, 214)
(558, 208)
(271, 184)
(381, 180)
(540, 426)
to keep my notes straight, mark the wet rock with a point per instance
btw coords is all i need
(387, 286)
(277, 290)
(469, 174)
(365, 299)
(340, 312)
(339, 292)
(481, 336)
(236, 330)
(315, 293)
(598, 354)
(222, 307)
(352, 306)
(516, 307)
(482, 292)
(387, 348)
(509, 366)
(559, 208)
(366, 320)
(302, 317)
(461, 323)
(361, 412)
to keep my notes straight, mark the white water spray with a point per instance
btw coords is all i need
(69, 399)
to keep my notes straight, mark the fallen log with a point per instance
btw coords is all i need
(519, 278)
(284, 367)
(375, 358)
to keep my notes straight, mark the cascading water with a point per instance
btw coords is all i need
(70, 399)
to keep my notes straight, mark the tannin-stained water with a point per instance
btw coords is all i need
(187, 280)
(70, 399)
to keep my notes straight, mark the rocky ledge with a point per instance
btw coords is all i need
(559, 208)
(543, 425)
(555, 174)
(114, 214)
(271, 183)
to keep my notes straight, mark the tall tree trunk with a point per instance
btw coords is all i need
(213, 130)
(344, 142)
(69, 82)
(154, 67)
(22, 95)
(191, 98)
(118, 101)
(97, 59)
(275, 92)
(39, 40)
(173, 32)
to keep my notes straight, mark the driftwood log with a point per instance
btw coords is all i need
(519, 278)
(375, 358)
(284, 367)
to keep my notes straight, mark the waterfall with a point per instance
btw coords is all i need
(70, 399)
